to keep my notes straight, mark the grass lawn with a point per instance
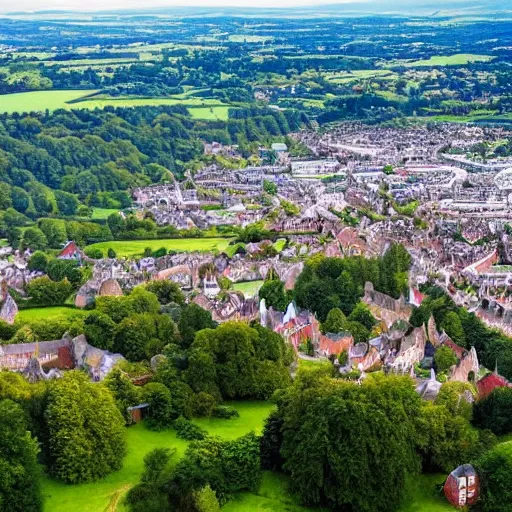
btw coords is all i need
(103, 213)
(249, 288)
(39, 101)
(459, 59)
(423, 496)
(210, 113)
(126, 248)
(139, 102)
(27, 315)
(272, 496)
(97, 496)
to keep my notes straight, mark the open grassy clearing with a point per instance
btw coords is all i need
(459, 59)
(124, 248)
(93, 103)
(39, 101)
(249, 288)
(246, 38)
(28, 315)
(103, 213)
(96, 496)
(210, 113)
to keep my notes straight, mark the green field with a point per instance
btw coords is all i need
(459, 59)
(39, 101)
(210, 113)
(126, 248)
(103, 213)
(249, 288)
(273, 495)
(28, 315)
(97, 496)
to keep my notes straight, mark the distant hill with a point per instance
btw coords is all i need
(345, 8)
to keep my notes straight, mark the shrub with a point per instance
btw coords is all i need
(185, 429)
(225, 412)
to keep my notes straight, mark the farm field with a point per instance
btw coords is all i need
(459, 59)
(97, 496)
(27, 315)
(39, 101)
(124, 248)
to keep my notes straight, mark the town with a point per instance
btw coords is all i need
(256, 259)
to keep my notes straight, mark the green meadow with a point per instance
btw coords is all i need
(39, 101)
(459, 59)
(28, 315)
(125, 248)
(107, 494)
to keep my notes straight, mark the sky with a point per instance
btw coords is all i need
(95, 5)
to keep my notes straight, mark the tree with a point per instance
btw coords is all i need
(458, 398)
(274, 294)
(166, 291)
(270, 187)
(495, 471)
(66, 203)
(143, 301)
(55, 232)
(335, 322)
(99, 330)
(85, 428)
(494, 412)
(111, 253)
(362, 314)
(19, 470)
(125, 393)
(205, 500)
(160, 412)
(445, 441)
(193, 318)
(388, 169)
(271, 442)
(444, 358)
(34, 239)
(359, 332)
(38, 261)
(45, 292)
(133, 335)
(226, 466)
(452, 325)
(378, 417)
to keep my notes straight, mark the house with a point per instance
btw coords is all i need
(8, 306)
(211, 287)
(462, 487)
(490, 382)
(70, 252)
(137, 413)
(334, 344)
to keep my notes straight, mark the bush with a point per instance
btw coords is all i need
(85, 428)
(224, 412)
(203, 404)
(495, 470)
(495, 411)
(185, 429)
(160, 406)
(45, 292)
(94, 253)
